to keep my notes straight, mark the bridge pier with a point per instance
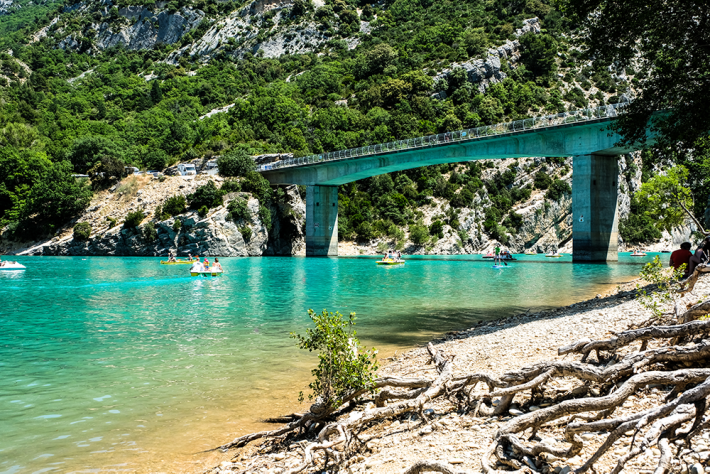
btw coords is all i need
(321, 221)
(595, 232)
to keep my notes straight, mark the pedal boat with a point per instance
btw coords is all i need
(390, 262)
(6, 266)
(177, 262)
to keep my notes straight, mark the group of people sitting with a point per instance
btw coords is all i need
(683, 256)
(392, 257)
(205, 266)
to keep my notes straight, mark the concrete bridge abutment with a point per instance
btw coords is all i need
(595, 229)
(321, 221)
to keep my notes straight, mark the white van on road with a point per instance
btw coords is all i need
(186, 169)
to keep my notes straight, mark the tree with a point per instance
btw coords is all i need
(106, 171)
(539, 53)
(155, 159)
(344, 367)
(87, 151)
(666, 44)
(156, 93)
(133, 219)
(206, 196)
(82, 231)
(669, 199)
(175, 205)
(235, 163)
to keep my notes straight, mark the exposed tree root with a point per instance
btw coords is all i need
(618, 374)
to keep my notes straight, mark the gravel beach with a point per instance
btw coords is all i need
(460, 439)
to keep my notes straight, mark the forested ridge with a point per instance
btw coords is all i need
(70, 105)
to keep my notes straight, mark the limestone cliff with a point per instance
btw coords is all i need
(212, 235)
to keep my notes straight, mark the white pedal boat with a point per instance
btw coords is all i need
(4, 265)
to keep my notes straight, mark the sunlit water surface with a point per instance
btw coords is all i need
(122, 364)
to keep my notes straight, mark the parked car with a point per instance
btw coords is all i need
(210, 167)
(155, 173)
(186, 169)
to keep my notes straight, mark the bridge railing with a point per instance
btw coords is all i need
(470, 134)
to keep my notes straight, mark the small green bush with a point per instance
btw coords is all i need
(558, 189)
(111, 222)
(203, 211)
(418, 234)
(231, 186)
(437, 228)
(177, 225)
(160, 213)
(265, 216)
(82, 231)
(133, 219)
(235, 163)
(207, 196)
(344, 366)
(175, 205)
(246, 233)
(238, 210)
(542, 180)
(149, 232)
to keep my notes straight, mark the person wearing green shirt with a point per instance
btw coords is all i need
(496, 260)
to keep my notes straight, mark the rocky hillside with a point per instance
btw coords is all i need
(91, 86)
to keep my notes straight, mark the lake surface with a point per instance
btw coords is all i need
(122, 364)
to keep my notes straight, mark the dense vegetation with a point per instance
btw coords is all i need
(87, 110)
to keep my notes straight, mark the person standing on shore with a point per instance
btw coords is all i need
(681, 256)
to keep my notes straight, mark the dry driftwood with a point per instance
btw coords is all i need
(683, 370)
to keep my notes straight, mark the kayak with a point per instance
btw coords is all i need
(206, 274)
(637, 255)
(390, 262)
(177, 262)
(11, 266)
(554, 256)
(530, 253)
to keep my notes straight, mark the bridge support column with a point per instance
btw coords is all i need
(321, 221)
(595, 232)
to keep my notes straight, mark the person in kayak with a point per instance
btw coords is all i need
(171, 257)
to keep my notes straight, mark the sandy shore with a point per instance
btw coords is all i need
(495, 348)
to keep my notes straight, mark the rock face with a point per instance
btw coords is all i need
(146, 30)
(213, 235)
(484, 72)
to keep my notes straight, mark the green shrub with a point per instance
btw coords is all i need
(513, 220)
(175, 205)
(177, 225)
(437, 228)
(207, 196)
(463, 236)
(111, 222)
(231, 186)
(235, 163)
(133, 219)
(256, 184)
(149, 232)
(542, 180)
(203, 211)
(558, 189)
(344, 367)
(82, 231)
(365, 231)
(246, 233)
(265, 216)
(418, 234)
(238, 210)
(160, 213)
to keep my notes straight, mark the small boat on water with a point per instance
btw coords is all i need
(503, 256)
(553, 255)
(638, 253)
(207, 273)
(530, 252)
(6, 265)
(390, 262)
(177, 262)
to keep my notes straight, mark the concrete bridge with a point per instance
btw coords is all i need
(582, 134)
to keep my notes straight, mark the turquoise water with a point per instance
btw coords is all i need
(124, 364)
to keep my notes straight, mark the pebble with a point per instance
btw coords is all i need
(515, 412)
(456, 461)
(534, 408)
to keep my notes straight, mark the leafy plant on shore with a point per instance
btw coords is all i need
(246, 233)
(664, 281)
(344, 367)
(150, 234)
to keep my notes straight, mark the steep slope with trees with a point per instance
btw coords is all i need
(94, 86)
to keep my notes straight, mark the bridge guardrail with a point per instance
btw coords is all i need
(471, 134)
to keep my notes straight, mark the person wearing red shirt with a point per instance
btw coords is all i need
(681, 256)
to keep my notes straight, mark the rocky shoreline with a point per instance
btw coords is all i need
(460, 439)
